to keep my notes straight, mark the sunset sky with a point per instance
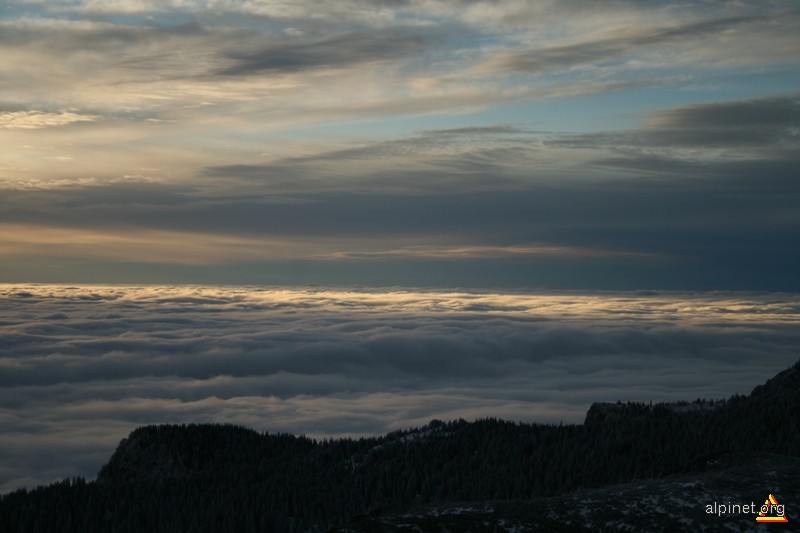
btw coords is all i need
(563, 144)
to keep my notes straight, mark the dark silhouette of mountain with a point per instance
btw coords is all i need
(681, 502)
(214, 477)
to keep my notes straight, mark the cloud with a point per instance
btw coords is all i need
(426, 163)
(196, 248)
(203, 88)
(760, 122)
(377, 59)
(81, 366)
(606, 46)
(776, 111)
(142, 246)
(481, 132)
(461, 252)
(333, 52)
(764, 129)
(30, 120)
(502, 193)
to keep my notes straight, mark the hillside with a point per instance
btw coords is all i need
(228, 478)
(673, 503)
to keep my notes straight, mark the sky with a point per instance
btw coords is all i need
(611, 144)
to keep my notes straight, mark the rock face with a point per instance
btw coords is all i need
(633, 465)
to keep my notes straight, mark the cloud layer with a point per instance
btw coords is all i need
(82, 366)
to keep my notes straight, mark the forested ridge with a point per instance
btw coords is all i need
(213, 477)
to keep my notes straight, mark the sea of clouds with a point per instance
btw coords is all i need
(82, 366)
